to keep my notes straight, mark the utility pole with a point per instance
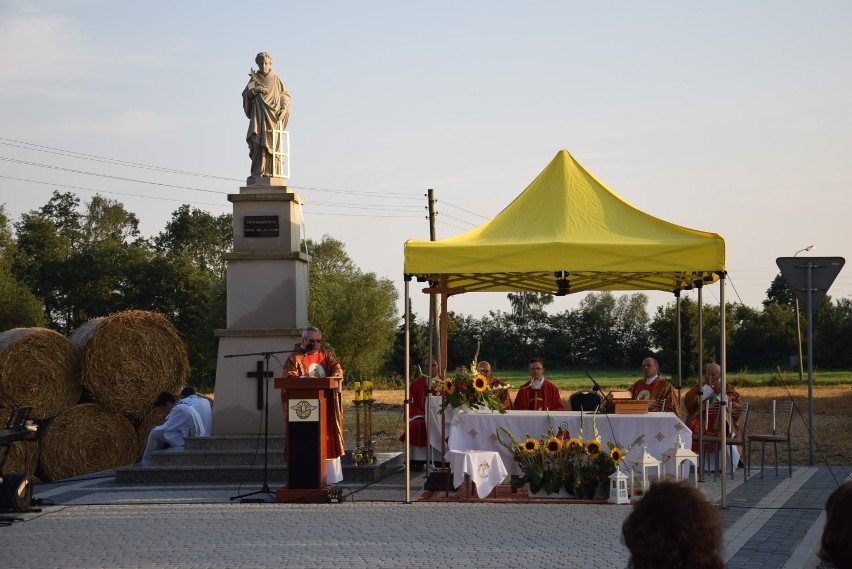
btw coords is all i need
(434, 317)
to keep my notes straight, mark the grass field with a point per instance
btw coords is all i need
(832, 415)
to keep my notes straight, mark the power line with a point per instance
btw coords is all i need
(72, 154)
(109, 191)
(119, 162)
(445, 202)
(73, 171)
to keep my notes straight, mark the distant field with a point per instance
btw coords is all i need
(573, 379)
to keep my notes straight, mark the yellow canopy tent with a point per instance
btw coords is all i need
(567, 233)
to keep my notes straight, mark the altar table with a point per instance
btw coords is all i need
(477, 431)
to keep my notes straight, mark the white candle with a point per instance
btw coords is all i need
(773, 416)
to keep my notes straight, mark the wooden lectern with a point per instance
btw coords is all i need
(309, 403)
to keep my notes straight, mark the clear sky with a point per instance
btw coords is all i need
(730, 117)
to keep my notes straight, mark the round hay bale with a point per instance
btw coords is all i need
(85, 438)
(38, 369)
(23, 455)
(23, 458)
(156, 416)
(128, 358)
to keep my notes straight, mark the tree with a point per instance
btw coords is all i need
(612, 331)
(418, 345)
(355, 310)
(663, 329)
(779, 292)
(19, 307)
(203, 237)
(40, 264)
(528, 317)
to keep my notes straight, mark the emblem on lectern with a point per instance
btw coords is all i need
(303, 409)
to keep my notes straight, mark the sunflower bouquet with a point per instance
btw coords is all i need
(470, 389)
(591, 464)
(545, 462)
(557, 460)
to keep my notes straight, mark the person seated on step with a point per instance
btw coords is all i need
(659, 393)
(836, 545)
(182, 421)
(200, 404)
(500, 388)
(695, 399)
(538, 394)
(429, 383)
(674, 526)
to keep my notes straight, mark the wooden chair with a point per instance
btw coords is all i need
(731, 441)
(584, 401)
(783, 411)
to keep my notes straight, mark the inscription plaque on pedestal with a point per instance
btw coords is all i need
(260, 226)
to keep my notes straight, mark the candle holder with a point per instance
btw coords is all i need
(364, 452)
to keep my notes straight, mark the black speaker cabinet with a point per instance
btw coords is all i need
(16, 492)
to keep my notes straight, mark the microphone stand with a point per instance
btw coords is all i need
(599, 389)
(596, 388)
(265, 488)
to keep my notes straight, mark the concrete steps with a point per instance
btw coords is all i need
(239, 459)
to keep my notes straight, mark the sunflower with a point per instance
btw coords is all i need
(530, 445)
(449, 386)
(593, 448)
(616, 455)
(574, 444)
(480, 382)
(552, 445)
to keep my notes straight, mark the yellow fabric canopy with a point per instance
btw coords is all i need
(567, 233)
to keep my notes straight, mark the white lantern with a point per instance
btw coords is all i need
(644, 463)
(618, 488)
(682, 457)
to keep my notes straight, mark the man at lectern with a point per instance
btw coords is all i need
(310, 359)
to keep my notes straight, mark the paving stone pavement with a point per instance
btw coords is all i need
(91, 522)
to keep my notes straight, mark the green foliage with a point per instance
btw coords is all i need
(19, 307)
(418, 347)
(355, 310)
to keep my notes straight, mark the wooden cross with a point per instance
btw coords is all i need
(260, 375)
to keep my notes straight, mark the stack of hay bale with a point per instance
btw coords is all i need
(91, 395)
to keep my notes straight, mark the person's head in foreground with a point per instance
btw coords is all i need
(836, 548)
(673, 526)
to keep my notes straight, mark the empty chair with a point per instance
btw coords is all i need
(783, 418)
(584, 401)
(731, 440)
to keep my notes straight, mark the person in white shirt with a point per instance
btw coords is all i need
(200, 404)
(180, 420)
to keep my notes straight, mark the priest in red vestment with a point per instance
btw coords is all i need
(538, 394)
(653, 388)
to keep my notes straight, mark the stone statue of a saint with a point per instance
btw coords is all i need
(267, 106)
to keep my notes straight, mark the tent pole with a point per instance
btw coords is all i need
(407, 404)
(443, 323)
(723, 408)
(701, 457)
(428, 373)
(679, 350)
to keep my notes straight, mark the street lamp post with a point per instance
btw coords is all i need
(798, 323)
(801, 364)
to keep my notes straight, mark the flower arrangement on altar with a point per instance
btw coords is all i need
(469, 388)
(557, 460)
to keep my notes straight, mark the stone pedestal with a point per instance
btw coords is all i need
(267, 306)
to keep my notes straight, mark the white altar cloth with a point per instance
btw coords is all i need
(485, 469)
(478, 431)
